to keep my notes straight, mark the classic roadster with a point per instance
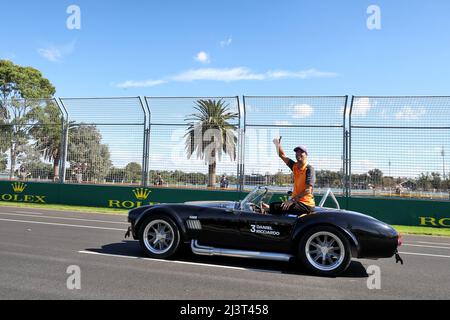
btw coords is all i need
(324, 241)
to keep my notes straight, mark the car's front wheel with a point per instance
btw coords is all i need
(325, 251)
(159, 237)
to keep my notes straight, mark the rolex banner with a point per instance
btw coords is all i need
(119, 197)
(393, 211)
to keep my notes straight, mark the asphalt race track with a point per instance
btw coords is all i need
(38, 246)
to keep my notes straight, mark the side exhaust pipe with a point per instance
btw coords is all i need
(211, 251)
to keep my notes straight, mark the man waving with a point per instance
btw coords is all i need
(302, 200)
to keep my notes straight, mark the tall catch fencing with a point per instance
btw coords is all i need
(105, 141)
(30, 139)
(399, 145)
(316, 122)
(359, 146)
(194, 141)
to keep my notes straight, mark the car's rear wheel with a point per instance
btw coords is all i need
(325, 251)
(159, 236)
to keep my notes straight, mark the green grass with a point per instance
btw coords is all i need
(423, 230)
(63, 207)
(401, 229)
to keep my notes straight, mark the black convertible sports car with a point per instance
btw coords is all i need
(324, 241)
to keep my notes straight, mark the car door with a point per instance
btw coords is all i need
(269, 233)
(220, 227)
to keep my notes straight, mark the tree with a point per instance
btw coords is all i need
(115, 175)
(424, 182)
(436, 180)
(328, 179)
(47, 134)
(19, 89)
(3, 161)
(210, 134)
(376, 176)
(86, 154)
(31, 165)
(133, 172)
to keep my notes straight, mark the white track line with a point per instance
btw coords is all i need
(63, 225)
(425, 254)
(28, 212)
(422, 246)
(177, 262)
(61, 218)
(425, 242)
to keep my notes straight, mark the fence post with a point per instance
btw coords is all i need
(349, 152)
(146, 166)
(239, 141)
(243, 131)
(64, 143)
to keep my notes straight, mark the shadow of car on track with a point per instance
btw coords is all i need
(130, 248)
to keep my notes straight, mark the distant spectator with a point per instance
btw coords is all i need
(158, 180)
(77, 172)
(224, 182)
(23, 174)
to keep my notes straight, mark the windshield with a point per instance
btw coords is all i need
(258, 195)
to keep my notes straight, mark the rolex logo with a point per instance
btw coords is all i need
(18, 187)
(141, 193)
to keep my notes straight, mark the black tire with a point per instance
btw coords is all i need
(334, 263)
(149, 247)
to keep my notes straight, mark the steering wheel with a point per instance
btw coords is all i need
(256, 208)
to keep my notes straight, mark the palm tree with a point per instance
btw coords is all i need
(47, 134)
(210, 134)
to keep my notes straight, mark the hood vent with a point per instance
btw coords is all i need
(193, 224)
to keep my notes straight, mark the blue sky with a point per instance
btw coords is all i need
(141, 42)
(229, 48)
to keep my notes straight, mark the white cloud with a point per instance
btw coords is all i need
(408, 113)
(226, 43)
(51, 54)
(361, 106)
(226, 75)
(283, 123)
(302, 111)
(242, 73)
(305, 74)
(55, 53)
(251, 108)
(139, 84)
(202, 57)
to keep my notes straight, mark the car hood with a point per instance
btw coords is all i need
(212, 204)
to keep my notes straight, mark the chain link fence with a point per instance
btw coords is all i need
(105, 140)
(359, 146)
(399, 146)
(30, 139)
(194, 142)
(316, 122)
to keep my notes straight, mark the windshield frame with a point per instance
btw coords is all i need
(255, 194)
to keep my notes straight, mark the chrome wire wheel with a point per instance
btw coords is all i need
(158, 236)
(325, 251)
